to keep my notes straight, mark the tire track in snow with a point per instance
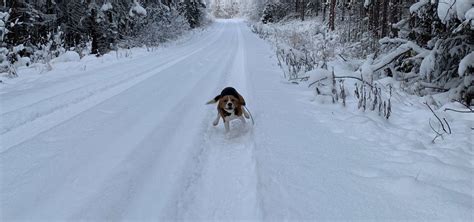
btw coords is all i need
(224, 185)
(80, 80)
(150, 139)
(20, 125)
(120, 193)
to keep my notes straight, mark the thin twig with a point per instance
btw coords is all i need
(459, 111)
(437, 132)
(435, 87)
(311, 84)
(393, 59)
(464, 105)
(441, 122)
(345, 60)
(447, 124)
(447, 12)
(301, 79)
(353, 77)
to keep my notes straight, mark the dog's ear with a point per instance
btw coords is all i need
(241, 100)
(214, 100)
(238, 111)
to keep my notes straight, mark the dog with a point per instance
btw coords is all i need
(230, 106)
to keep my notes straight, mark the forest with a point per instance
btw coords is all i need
(426, 45)
(236, 110)
(40, 30)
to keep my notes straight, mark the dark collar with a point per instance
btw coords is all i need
(226, 113)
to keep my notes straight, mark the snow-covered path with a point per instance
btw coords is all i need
(134, 141)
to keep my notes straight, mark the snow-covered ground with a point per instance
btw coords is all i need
(131, 139)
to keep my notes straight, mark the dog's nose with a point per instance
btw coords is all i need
(229, 105)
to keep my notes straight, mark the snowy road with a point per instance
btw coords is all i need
(134, 141)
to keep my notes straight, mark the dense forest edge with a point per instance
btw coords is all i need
(40, 31)
(426, 45)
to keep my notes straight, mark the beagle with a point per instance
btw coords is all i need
(230, 106)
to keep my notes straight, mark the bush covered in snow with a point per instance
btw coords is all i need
(425, 45)
(193, 11)
(440, 42)
(274, 12)
(300, 47)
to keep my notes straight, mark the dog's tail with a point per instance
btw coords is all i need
(212, 101)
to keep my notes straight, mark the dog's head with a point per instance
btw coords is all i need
(229, 103)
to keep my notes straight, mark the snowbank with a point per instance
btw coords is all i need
(415, 7)
(106, 6)
(137, 9)
(450, 9)
(462, 6)
(23, 61)
(470, 17)
(69, 56)
(367, 3)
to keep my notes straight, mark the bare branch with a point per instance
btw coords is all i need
(441, 123)
(311, 84)
(464, 104)
(352, 77)
(459, 111)
(447, 124)
(435, 131)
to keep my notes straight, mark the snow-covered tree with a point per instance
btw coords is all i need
(193, 11)
(96, 26)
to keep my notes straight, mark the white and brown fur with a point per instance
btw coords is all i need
(230, 106)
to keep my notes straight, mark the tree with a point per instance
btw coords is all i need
(332, 15)
(192, 11)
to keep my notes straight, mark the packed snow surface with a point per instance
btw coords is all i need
(129, 138)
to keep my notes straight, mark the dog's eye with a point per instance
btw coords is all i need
(233, 100)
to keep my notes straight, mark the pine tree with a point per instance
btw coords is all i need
(332, 15)
(192, 11)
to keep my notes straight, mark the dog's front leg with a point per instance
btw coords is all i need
(226, 124)
(216, 121)
(242, 119)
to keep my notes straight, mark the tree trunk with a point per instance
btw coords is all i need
(324, 11)
(332, 15)
(297, 6)
(303, 9)
(384, 25)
